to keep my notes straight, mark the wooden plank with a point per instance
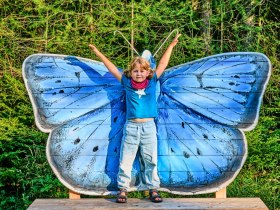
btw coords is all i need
(145, 204)
(221, 193)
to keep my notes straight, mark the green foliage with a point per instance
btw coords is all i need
(67, 27)
(260, 176)
(24, 173)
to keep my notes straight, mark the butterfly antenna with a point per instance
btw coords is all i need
(165, 41)
(126, 41)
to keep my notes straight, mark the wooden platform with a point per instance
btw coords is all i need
(145, 204)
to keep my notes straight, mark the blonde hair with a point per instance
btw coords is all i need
(143, 63)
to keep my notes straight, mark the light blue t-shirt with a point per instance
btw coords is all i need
(140, 103)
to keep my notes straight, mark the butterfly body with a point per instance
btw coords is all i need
(203, 108)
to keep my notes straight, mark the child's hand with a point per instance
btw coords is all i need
(92, 47)
(175, 40)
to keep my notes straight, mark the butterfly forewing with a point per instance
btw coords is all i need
(227, 88)
(65, 87)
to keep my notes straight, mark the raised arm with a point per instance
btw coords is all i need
(166, 56)
(110, 66)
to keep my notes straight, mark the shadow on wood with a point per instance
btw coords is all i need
(219, 194)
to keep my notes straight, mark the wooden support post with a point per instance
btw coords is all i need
(74, 195)
(221, 193)
(146, 193)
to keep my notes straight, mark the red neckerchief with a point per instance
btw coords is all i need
(139, 85)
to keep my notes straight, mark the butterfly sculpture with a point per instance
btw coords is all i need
(204, 106)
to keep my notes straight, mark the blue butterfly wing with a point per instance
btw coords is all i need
(227, 88)
(84, 152)
(195, 154)
(203, 108)
(82, 106)
(62, 88)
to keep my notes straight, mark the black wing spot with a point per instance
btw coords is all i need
(61, 91)
(77, 141)
(95, 149)
(205, 136)
(183, 125)
(115, 119)
(77, 74)
(186, 155)
(198, 151)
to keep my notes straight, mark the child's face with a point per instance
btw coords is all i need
(138, 74)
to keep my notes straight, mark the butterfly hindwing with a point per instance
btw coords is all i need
(84, 152)
(195, 152)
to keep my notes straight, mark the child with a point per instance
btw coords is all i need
(139, 82)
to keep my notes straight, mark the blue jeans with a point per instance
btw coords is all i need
(142, 136)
